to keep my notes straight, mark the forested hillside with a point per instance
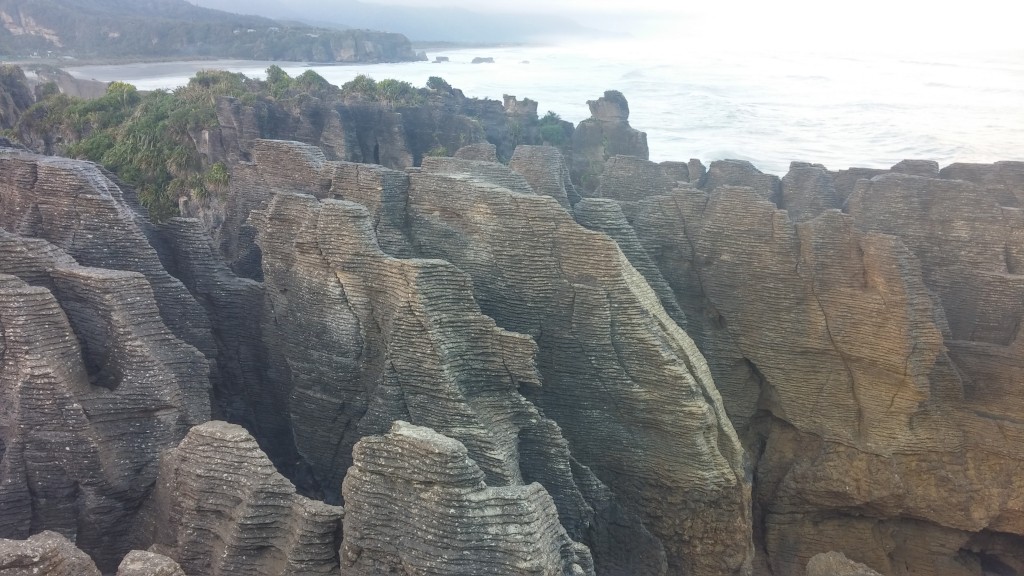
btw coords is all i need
(157, 29)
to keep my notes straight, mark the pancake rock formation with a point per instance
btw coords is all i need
(417, 504)
(220, 507)
(858, 334)
(573, 364)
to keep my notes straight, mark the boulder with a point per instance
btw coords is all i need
(45, 554)
(140, 563)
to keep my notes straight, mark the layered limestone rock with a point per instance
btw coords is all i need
(837, 564)
(140, 563)
(628, 179)
(851, 381)
(221, 508)
(605, 134)
(741, 173)
(627, 386)
(91, 394)
(45, 554)
(1004, 180)
(369, 339)
(288, 166)
(356, 129)
(418, 504)
(246, 393)
(74, 206)
(484, 152)
(545, 170)
(499, 174)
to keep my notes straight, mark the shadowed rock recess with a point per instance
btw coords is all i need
(588, 364)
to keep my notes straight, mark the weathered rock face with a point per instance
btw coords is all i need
(837, 564)
(537, 272)
(371, 132)
(403, 339)
(93, 387)
(140, 563)
(484, 152)
(418, 504)
(74, 206)
(220, 507)
(45, 554)
(546, 172)
(850, 348)
(605, 134)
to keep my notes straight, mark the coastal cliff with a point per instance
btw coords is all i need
(166, 29)
(452, 365)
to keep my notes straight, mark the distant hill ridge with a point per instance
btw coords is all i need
(142, 29)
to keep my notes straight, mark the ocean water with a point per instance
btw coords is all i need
(713, 101)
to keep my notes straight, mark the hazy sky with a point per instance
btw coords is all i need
(845, 25)
(896, 23)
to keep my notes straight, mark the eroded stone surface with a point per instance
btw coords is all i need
(418, 504)
(404, 339)
(850, 350)
(45, 554)
(619, 374)
(93, 387)
(140, 563)
(220, 507)
(605, 134)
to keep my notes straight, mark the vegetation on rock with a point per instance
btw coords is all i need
(148, 140)
(179, 29)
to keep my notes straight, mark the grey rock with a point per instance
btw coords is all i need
(220, 507)
(574, 291)
(92, 392)
(421, 490)
(545, 170)
(484, 152)
(837, 564)
(140, 563)
(605, 134)
(45, 554)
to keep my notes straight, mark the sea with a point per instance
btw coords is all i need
(771, 107)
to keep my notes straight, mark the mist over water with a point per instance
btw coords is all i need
(714, 98)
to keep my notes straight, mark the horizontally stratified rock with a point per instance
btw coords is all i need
(369, 339)
(741, 173)
(545, 169)
(140, 563)
(837, 362)
(45, 554)
(418, 504)
(287, 166)
(483, 151)
(926, 168)
(93, 388)
(221, 508)
(1004, 180)
(75, 207)
(807, 191)
(606, 216)
(246, 393)
(605, 134)
(502, 175)
(971, 248)
(628, 179)
(624, 382)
